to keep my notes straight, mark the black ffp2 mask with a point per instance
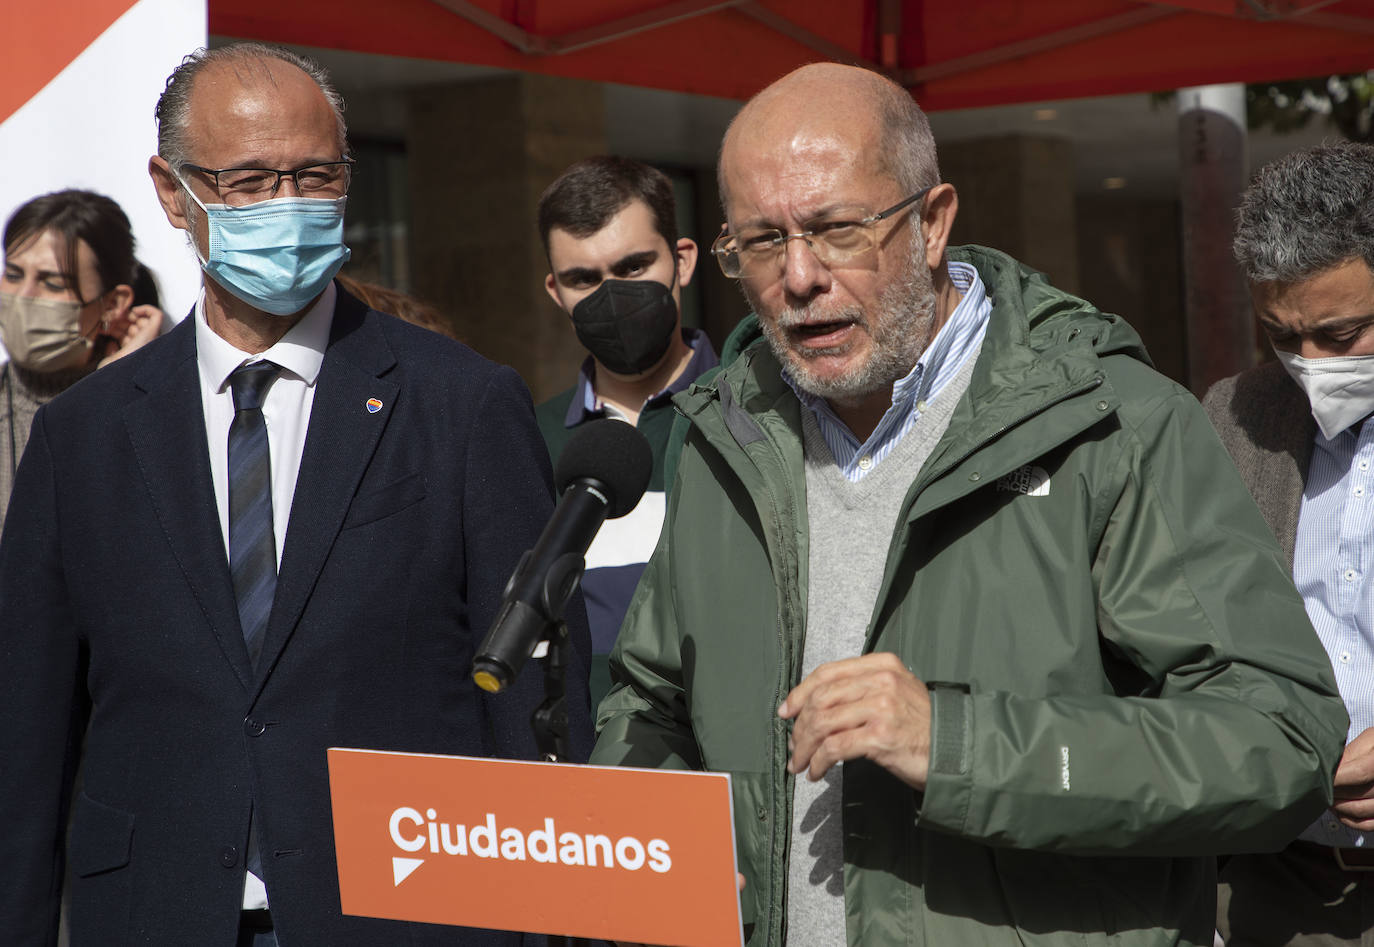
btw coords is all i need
(627, 325)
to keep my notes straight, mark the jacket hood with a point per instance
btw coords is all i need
(1042, 348)
(1043, 317)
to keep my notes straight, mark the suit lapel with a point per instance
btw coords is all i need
(167, 428)
(340, 441)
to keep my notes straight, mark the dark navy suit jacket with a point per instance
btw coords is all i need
(120, 645)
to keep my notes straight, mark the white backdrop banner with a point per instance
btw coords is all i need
(91, 124)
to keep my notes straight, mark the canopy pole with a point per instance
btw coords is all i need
(1212, 175)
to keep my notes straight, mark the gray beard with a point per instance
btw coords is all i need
(901, 331)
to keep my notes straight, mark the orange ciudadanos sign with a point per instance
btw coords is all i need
(583, 851)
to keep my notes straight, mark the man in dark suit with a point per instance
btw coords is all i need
(1299, 431)
(282, 527)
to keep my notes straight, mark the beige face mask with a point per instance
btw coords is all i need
(43, 335)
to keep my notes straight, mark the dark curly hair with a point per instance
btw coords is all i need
(592, 191)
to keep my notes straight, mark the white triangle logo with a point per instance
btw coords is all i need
(402, 867)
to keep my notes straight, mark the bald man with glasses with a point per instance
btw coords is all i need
(964, 596)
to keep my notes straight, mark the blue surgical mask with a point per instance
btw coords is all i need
(276, 255)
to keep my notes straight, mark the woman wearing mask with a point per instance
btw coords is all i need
(67, 306)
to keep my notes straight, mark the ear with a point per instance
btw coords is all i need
(686, 260)
(116, 304)
(937, 220)
(551, 287)
(169, 192)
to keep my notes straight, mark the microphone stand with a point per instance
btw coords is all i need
(550, 719)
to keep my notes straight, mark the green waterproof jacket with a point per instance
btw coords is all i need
(1124, 681)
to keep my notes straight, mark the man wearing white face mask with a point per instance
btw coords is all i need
(274, 530)
(1299, 430)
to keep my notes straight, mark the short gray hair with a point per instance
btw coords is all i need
(1307, 212)
(174, 105)
(908, 147)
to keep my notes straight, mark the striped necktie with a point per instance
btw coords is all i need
(252, 545)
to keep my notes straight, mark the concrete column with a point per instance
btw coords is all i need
(722, 304)
(480, 155)
(1016, 194)
(1212, 175)
(1128, 262)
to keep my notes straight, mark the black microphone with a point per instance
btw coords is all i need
(600, 475)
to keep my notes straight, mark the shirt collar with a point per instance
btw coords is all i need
(585, 404)
(300, 352)
(960, 335)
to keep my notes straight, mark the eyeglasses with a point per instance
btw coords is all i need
(240, 186)
(835, 240)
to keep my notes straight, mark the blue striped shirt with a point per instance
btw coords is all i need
(1332, 563)
(958, 339)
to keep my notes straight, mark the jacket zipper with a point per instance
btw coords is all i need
(782, 795)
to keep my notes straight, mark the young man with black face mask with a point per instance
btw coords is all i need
(617, 268)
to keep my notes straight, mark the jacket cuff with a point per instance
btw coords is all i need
(949, 782)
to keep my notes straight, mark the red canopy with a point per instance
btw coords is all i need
(951, 54)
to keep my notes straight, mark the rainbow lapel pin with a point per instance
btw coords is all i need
(374, 405)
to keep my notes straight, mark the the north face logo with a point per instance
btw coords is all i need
(1030, 480)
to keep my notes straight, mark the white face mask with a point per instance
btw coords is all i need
(1340, 390)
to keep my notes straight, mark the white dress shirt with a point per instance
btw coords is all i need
(286, 411)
